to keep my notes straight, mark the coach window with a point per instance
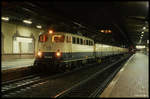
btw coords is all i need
(81, 41)
(90, 43)
(84, 42)
(67, 39)
(73, 40)
(87, 43)
(77, 40)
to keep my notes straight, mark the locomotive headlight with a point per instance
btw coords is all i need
(58, 54)
(39, 54)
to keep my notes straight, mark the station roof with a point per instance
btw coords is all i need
(125, 19)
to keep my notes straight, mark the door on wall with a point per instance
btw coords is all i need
(23, 45)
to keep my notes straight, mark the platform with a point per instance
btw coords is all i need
(16, 63)
(132, 80)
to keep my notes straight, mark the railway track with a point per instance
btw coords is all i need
(94, 85)
(27, 83)
(13, 87)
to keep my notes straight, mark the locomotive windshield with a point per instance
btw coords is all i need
(58, 38)
(43, 38)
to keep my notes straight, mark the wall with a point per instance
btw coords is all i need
(8, 31)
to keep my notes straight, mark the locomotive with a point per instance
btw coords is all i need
(61, 50)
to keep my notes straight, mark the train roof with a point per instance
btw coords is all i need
(70, 34)
(107, 45)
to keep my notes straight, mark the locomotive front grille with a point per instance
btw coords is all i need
(48, 55)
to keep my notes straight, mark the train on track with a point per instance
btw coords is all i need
(61, 50)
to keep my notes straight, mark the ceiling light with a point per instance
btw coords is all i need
(39, 26)
(141, 35)
(5, 18)
(144, 27)
(142, 32)
(27, 21)
(147, 41)
(140, 46)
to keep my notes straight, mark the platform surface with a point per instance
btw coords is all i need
(132, 80)
(16, 63)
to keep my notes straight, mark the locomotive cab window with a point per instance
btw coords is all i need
(58, 38)
(43, 38)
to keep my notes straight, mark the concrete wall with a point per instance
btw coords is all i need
(9, 30)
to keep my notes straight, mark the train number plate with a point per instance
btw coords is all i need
(47, 56)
